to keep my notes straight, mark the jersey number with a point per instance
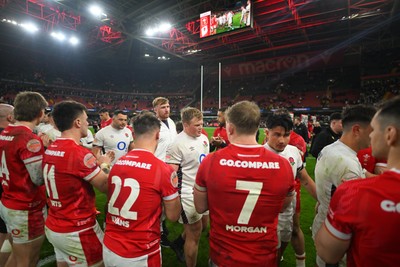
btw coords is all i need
(50, 181)
(4, 169)
(254, 189)
(130, 200)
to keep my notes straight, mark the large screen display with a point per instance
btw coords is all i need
(215, 22)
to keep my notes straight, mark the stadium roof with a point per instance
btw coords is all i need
(281, 27)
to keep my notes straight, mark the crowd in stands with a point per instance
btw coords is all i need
(329, 89)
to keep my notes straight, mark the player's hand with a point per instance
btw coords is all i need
(45, 139)
(106, 158)
(216, 141)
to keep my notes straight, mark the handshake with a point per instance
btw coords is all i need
(217, 141)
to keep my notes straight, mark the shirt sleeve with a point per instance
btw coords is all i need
(174, 154)
(99, 139)
(289, 178)
(87, 165)
(169, 184)
(201, 176)
(340, 214)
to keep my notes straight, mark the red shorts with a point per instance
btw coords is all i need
(297, 187)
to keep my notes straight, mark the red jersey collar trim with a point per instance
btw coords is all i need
(65, 139)
(395, 170)
(142, 149)
(20, 125)
(247, 146)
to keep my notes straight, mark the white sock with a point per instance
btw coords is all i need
(301, 260)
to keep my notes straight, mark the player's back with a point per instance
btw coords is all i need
(68, 168)
(371, 210)
(336, 163)
(20, 146)
(138, 182)
(245, 195)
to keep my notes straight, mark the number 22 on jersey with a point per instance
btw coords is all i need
(124, 211)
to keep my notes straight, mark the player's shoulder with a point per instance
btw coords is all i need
(292, 149)
(102, 131)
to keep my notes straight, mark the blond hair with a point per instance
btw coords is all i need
(245, 116)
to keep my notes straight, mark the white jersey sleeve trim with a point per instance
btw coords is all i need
(171, 197)
(335, 232)
(200, 188)
(33, 159)
(35, 171)
(93, 174)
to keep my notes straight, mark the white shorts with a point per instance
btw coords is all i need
(285, 222)
(189, 214)
(113, 260)
(342, 262)
(81, 248)
(24, 226)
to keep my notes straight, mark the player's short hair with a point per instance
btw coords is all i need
(146, 123)
(223, 109)
(245, 115)
(5, 110)
(358, 114)
(103, 110)
(179, 126)
(160, 101)
(28, 105)
(66, 112)
(280, 118)
(119, 111)
(335, 116)
(187, 114)
(389, 113)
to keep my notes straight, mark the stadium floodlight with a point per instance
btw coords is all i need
(146, 55)
(58, 35)
(164, 27)
(150, 32)
(14, 22)
(29, 27)
(97, 11)
(73, 40)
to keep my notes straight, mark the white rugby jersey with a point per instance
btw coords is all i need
(114, 139)
(336, 163)
(167, 136)
(188, 152)
(292, 154)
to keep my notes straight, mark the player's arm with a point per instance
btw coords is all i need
(330, 248)
(200, 199)
(307, 182)
(174, 166)
(172, 208)
(34, 168)
(100, 181)
(96, 150)
(286, 202)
